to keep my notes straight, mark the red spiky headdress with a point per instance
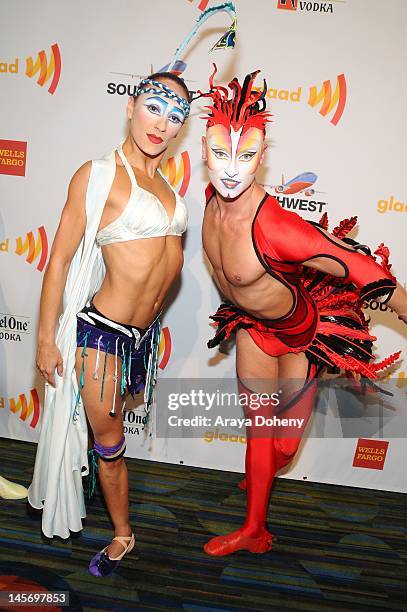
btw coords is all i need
(245, 109)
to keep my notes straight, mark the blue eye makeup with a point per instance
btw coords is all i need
(176, 116)
(157, 106)
(143, 87)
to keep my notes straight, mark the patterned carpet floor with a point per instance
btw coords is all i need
(336, 548)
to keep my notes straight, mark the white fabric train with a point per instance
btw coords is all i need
(62, 449)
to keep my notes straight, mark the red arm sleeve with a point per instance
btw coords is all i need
(296, 240)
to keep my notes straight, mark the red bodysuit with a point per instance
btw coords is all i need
(326, 319)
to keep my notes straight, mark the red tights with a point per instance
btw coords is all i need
(265, 455)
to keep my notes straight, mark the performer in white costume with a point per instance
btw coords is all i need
(117, 252)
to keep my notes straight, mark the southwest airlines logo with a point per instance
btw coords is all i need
(46, 68)
(178, 172)
(33, 248)
(299, 193)
(28, 408)
(330, 102)
(164, 348)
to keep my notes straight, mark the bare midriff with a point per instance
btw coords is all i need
(138, 276)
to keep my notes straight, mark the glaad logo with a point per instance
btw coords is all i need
(46, 68)
(12, 326)
(28, 408)
(178, 172)
(336, 101)
(384, 206)
(328, 101)
(164, 348)
(293, 5)
(30, 247)
(13, 155)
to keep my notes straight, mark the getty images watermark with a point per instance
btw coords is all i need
(198, 398)
(195, 408)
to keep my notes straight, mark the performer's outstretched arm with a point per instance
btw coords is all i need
(311, 245)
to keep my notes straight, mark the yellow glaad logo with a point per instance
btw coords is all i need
(164, 348)
(330, 99)
(33, 248)
(47, 68)
(391, 205)
(210, 436)
(29, 408)
(177, 169)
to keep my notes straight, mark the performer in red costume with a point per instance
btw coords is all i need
(294, 293)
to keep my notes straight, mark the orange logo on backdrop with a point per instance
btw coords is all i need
(164, 348)
(46, 67)
(370, 454)
(28, 408)
(330, 101)
(178, 171)
(13, 155)
(34, 247)
(31, 247)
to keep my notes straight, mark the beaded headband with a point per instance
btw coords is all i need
(166, 91)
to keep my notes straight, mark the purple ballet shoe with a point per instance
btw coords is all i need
(102, 565)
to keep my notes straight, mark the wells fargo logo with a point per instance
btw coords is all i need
(391, 205)
(330, 102)
(370, 454)
(28, 409)
(48, 67)
(178, 172)
(13, 154)
(202, 4)
(164, 348)
(33, 248)
(294, 5)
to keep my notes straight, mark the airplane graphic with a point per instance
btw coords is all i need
(302, 183)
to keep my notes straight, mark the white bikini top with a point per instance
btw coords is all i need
(144, 215)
